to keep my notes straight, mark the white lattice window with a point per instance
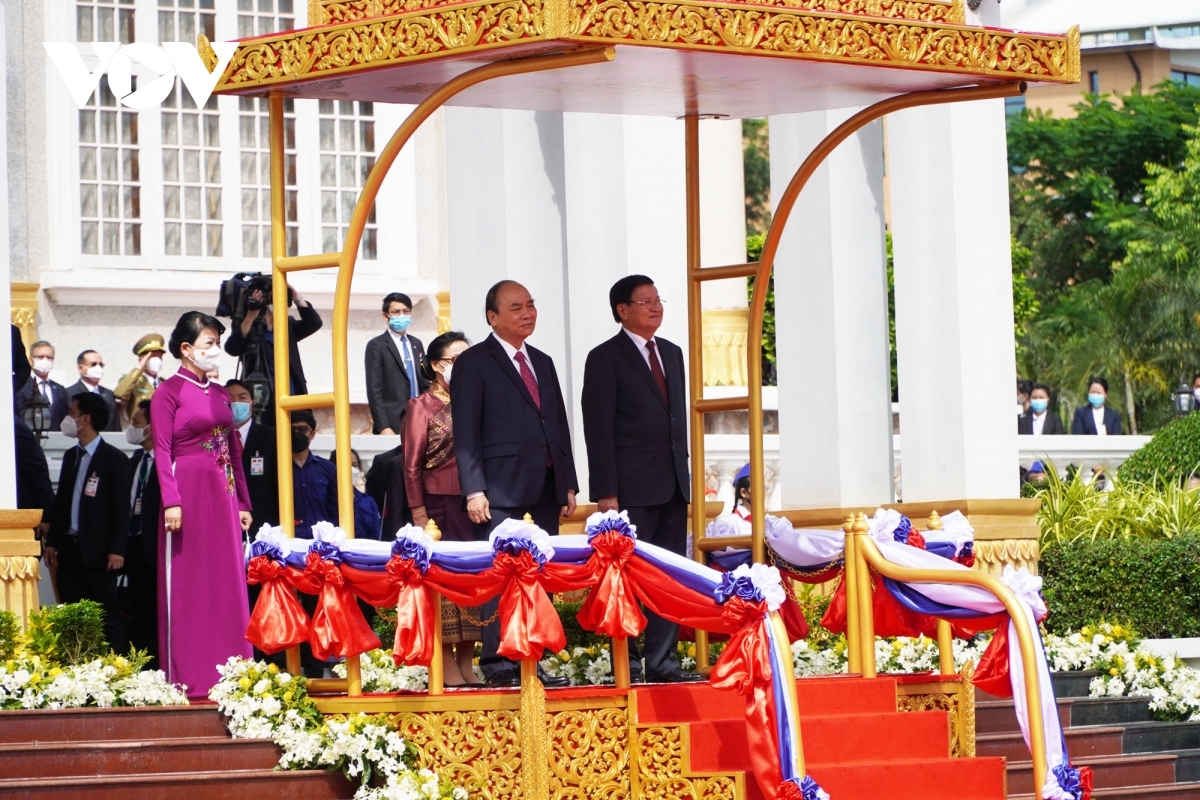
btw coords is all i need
(256, 17)
(347, 136)
(191, 153)
(254, 137)
(104, 21)
(110, 201)
(183, 20)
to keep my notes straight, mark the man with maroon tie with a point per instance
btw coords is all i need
(635, 425)
(511, 439)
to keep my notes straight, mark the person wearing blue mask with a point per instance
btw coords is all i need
(1038, 420)
(393, 364)
(1096, 419)
(260, 464)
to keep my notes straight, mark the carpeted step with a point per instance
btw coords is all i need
(686, 702)
(721, 745)
(1107, 771)
(136, 756)
(1081, 742)
(226, 785)
(845, 694)
(998, 716)
(1172, 791)
(960, 778)
(92, 724)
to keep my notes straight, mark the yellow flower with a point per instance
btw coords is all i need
(691, 651)
(287, 697)
(35, 677)
(272, 669)
(1118, 630)
(1114, 672)
(245, 684)
(55, 672)
(1086, 631)
(564, 656)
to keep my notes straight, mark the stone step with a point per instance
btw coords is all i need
(1157, 737)
(134, 757)
(1187, 765)
(255, 784)
(999, 716)
(1107, 771)
(93, 724)
(1173, 791)
(1081, 742)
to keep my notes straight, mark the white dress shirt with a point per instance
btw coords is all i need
(641, 346)
(244, 430)
(1098, 417)
(1039, 421)
(511, 352)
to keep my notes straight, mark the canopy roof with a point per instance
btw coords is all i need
(735, 59)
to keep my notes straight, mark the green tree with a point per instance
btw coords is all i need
(756, 171)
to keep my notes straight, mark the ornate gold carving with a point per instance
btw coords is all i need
(712, 26)
(443, 312)
(24, 309)
(935, 701)
(966, 712)
(821, 37)
(915, 10)
(1074, 70)
(477, 749)
(725, 335)
(993, 556)
(535, 771)
(589, 754)
(955, 697)
(663, 753)
(208, 56)
(316, 14)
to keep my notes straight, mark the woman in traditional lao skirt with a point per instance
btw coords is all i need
(431, 482)
(202, 606)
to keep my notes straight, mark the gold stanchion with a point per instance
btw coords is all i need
(945, 640)
(620, 661)
(850, 581)
(866, 603)
(535, 766)
(436, 665)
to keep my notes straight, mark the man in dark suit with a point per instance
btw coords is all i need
(141, 556)
(1038, 420)
(385, 485)
(34, 489)
(91, 370)
(635, 424)
(393, 363)
(511, 438)
(41, 355)
(1096, 418)
(260, 460)
(90, 528)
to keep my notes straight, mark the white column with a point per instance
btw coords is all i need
(835, 421)
(8, 467)
(954, 316)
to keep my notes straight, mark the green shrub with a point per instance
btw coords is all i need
(79, 629)
(576, 635)
(1170, 457)
(1152, 585)
(10, 635)
(385, 626)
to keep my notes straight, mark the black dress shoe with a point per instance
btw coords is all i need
(674, 676)
(637, 676)
(503, 679)
(553, 682)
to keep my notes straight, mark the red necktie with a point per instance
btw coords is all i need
(656, 369)
(530, 383)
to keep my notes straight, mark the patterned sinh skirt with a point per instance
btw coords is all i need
(448, 512)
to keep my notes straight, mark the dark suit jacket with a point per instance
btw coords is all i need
(1085, 424)
(104, 518)
(59, 408)
(20, 364)
(501, 439)
(388, 391)
(264, 488)
(385, 485)
(308, 324)
(34, 489)
(79, 387)
(636, 439)
(1051, 427)
(151, 507)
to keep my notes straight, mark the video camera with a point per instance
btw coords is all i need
(234, 299)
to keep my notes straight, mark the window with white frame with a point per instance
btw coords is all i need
(254, 137)
(256, 17)
(104, 21)
(183, 20)
(347, 144)
(110, 202)
(191, 155)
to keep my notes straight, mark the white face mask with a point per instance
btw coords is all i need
(69, 428)
(1020, 409)
(95, 373)
(356, 475)
(135, 435)
(42, 366)
(206, 360)
(446, 373)
(154, 365)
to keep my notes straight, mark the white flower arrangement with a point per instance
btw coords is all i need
(29, 682)
(264, 702)
(583, 666)
(380, 674)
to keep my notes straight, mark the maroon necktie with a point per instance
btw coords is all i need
(530, 383)
(656, 369)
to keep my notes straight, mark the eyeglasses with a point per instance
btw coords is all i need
(657, 302)
(451, 359)
(303, 430)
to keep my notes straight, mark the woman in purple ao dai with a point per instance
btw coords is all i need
(202, 607)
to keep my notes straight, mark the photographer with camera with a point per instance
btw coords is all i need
(253, 336)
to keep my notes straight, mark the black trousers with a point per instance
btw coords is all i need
(141, 600)
(665, 526)
(546, 514)
(76, 582)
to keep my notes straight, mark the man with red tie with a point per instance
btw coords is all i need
(635, 425)
(511, 439)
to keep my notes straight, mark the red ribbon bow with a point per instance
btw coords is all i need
(338, 628)
(611, 607)
(278, 621)
(530, 622)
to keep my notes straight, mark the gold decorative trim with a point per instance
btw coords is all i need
(687, 24)
(208, 56)
(443, 312)
(24, 309)
(993, 556)
(664, 755)
(966, 712)
(1074, 69)
(535, 770)
(947, 696)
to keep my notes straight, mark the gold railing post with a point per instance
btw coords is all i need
(945, 640)
(620, 661)
(437, 683)
(850, 581)
(691, 154)
(866, 604)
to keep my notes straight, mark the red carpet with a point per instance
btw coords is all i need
(856, 745)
